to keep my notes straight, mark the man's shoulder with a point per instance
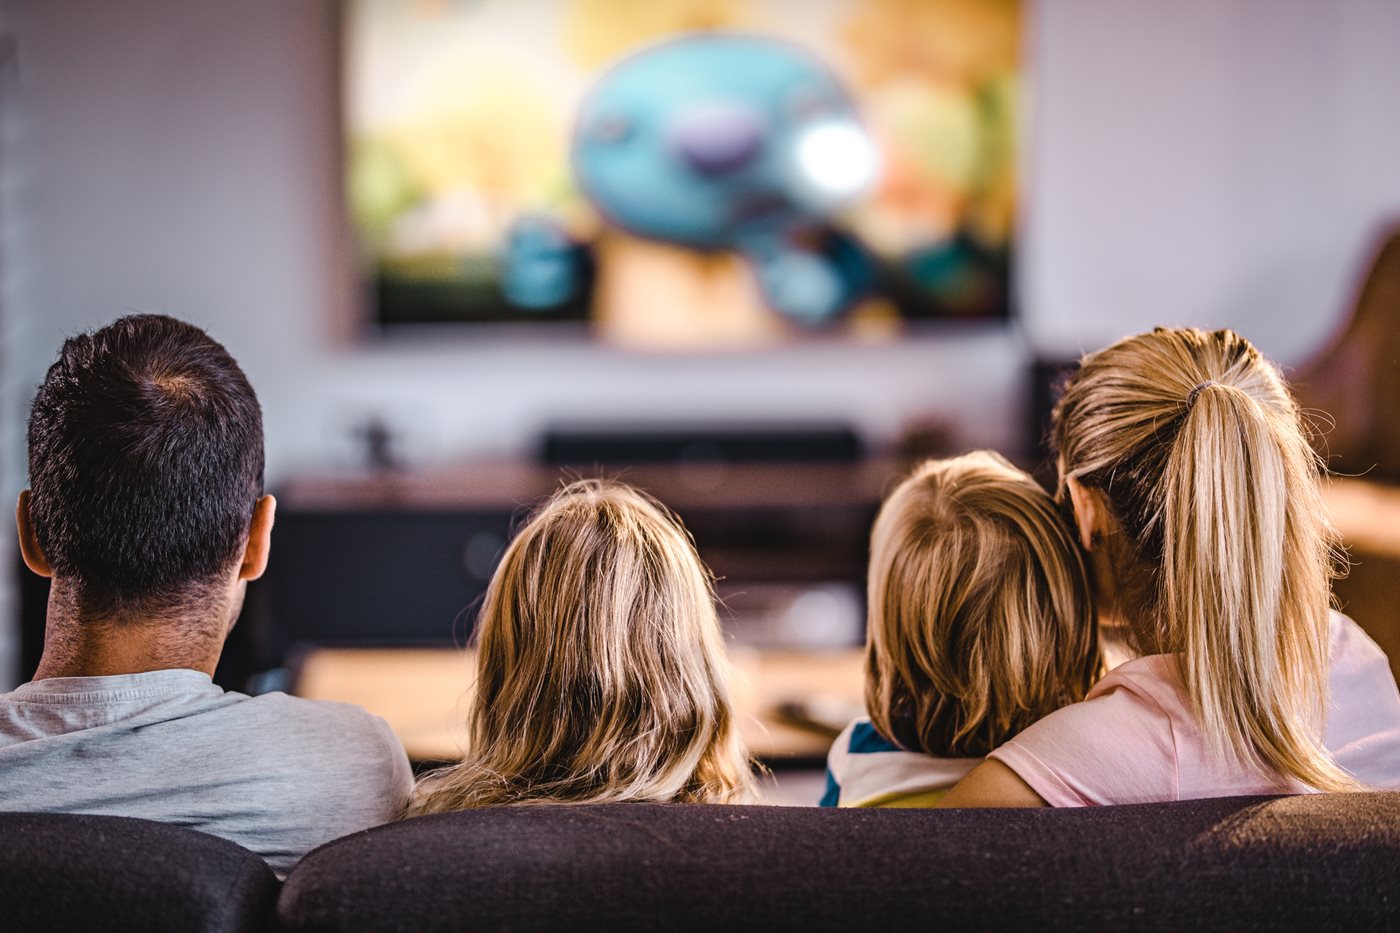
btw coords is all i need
(343, 721)
(286, 704)
(275, 773)
(328, 739)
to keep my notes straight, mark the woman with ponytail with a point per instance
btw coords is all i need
(1196, 494)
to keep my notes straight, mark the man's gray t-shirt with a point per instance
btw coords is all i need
(276, 774)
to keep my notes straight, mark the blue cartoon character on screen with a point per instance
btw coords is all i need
(730, 142)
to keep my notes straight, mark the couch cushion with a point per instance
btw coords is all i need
(69, 872)
(1225, 864)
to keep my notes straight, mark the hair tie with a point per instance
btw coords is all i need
(1191, 396)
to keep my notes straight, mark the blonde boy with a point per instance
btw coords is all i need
(979, 624)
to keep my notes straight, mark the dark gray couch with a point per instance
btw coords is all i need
(1321, 862)
(96, 873)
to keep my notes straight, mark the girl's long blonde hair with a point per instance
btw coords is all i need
(601, 673)
(1224, 556)
(980, 615)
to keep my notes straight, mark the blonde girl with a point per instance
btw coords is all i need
(601, 674)
(979, 624)
(1196, 493)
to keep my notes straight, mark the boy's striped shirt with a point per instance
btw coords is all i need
(865, 769)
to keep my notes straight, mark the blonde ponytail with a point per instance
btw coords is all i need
(1200, 452)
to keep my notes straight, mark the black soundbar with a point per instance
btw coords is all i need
(755, 443)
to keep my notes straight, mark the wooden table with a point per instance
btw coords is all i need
(423, 694)
(1367, 514)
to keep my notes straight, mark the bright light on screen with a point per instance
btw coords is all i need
(837, 159)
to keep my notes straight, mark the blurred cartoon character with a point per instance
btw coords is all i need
(732, 142)
(543, 267)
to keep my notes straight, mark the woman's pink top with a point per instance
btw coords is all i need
(1135, 740)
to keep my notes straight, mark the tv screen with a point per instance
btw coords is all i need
(684, 174)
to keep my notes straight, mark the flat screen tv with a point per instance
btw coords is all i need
(686, 174)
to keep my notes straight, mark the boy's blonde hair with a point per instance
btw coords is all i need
(1225, 556)
(980, 617)
(601, 673)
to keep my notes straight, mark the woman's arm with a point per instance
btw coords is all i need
(992, 784)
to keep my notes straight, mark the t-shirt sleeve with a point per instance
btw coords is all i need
(1117, 747)
(1363, 721)
(398, 774)
(365, 773)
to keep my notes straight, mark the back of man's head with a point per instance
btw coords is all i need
(145, 462)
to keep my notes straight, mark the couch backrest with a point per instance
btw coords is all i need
(1227, 864)
(61, 872)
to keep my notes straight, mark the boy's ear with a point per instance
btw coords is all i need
(34, 557)
(1090, 513)
(259, 539)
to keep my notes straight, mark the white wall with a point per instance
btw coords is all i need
(1210, 162)
(1205, 162)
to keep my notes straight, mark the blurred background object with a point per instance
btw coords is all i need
(13, 391)
(743, 129)
(1351, 393)
(1351, 390)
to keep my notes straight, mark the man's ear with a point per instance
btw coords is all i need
(259, 539)
(34, 557)
(1090, 512)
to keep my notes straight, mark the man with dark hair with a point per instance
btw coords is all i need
(147, 512)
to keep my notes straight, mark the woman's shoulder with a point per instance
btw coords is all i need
(1118, 745)
(1153, 677)
(1351, 646)
(1135, 739)
(1145, 690)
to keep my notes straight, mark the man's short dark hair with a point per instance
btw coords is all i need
(145, 461)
